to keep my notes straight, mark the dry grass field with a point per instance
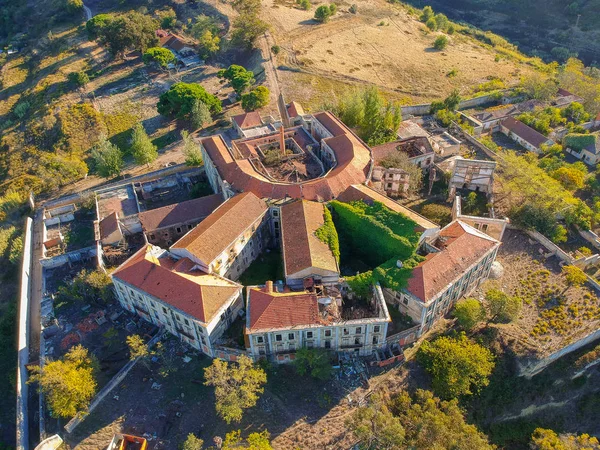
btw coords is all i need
(382, 44)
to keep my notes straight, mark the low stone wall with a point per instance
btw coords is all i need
(473, 141)
(591, 237)
(531, 368)
(23, 340)
(227, 353)
(424, 108)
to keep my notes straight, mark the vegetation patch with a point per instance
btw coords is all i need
(328, 234)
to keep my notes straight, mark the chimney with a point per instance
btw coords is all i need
(269, 287)
(282, 141)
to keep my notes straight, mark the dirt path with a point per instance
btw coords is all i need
(272, 80)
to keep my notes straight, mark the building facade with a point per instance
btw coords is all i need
(280, 323)
(458, 261)
(171, 292)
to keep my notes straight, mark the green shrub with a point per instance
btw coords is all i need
(328, 234)
(440, 43)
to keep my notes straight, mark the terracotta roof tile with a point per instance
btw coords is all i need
(525, 132)
(463, 246)
(248, 120)
(302, 249)
(281, 310)
(190, 210)
(353, 165)
(221, 228)
(176, 282)
(109, 225)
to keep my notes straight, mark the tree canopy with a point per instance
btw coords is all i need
(159, 56)
(69, 383)
(240, 78)
(503, 307)
(544, 439)
(180, 99)
(458, 366)
(401, 160)
(237, 386)
(469, 312)
(419, 422)
(131, 31)
(314, 362)
(255, 99)
(191, 150)
(142, 148)
(108, 159)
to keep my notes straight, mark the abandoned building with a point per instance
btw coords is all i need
(251, 124)
(524, 135)
(173, 292)
(472, 174)
(163, 226)
(456, 263)
(229, 239)
(589, 151)
(306, 259)
(110, 230)
(492, 226)
(394, 181)
(182, 48)
(317, 160)
(279, 323)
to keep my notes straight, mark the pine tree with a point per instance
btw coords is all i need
(107, 158)
(199, 115)
(191, 150)
(142, 148)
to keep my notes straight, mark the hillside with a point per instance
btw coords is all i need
(536, 25)
(383, 44)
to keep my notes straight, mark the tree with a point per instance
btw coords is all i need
(204, 23)
(199, 115)
(180, 99)
(442, 22)
(255, 441)
(237, 386)
(419, 422)
(538, 87)
(322, 13)
(239, 78)
(74, 6)
(247, 28)
(471, 203)
(544, 439)
(168, 18)
(452, 102)
(192, 442)
(131, 31)
(79, 78)
(87, 286)
(574, 276)
(427, 14)
(69, 383)
(108, 159)
(572, 178)
(96, 24)
(333, 9)
(160, 56)
(314, 362)
(440, 43)
(191, 150)
(457, 365)
(469, 312)
(576, 113)
(208, 44)
(401, 160)
(142, 148)
(256, 98)
(431, 24)
(502, 307)
(304, 4)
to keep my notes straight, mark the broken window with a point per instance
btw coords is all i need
(278, 337)
(327, 333)
(309, 335)
(259, 339)
(327, 344)
(291, 336)
(358, 330)
(375, 340)
(376, 329)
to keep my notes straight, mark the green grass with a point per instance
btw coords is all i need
(268, 266)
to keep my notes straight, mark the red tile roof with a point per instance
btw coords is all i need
(188, 211)
(294, 109)
(353, 165)
(525, 132)
(248, 120)
(462, 247)
(109, 225)
(221, 228)
(281, 310)
(302, 249)
(177, 283)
